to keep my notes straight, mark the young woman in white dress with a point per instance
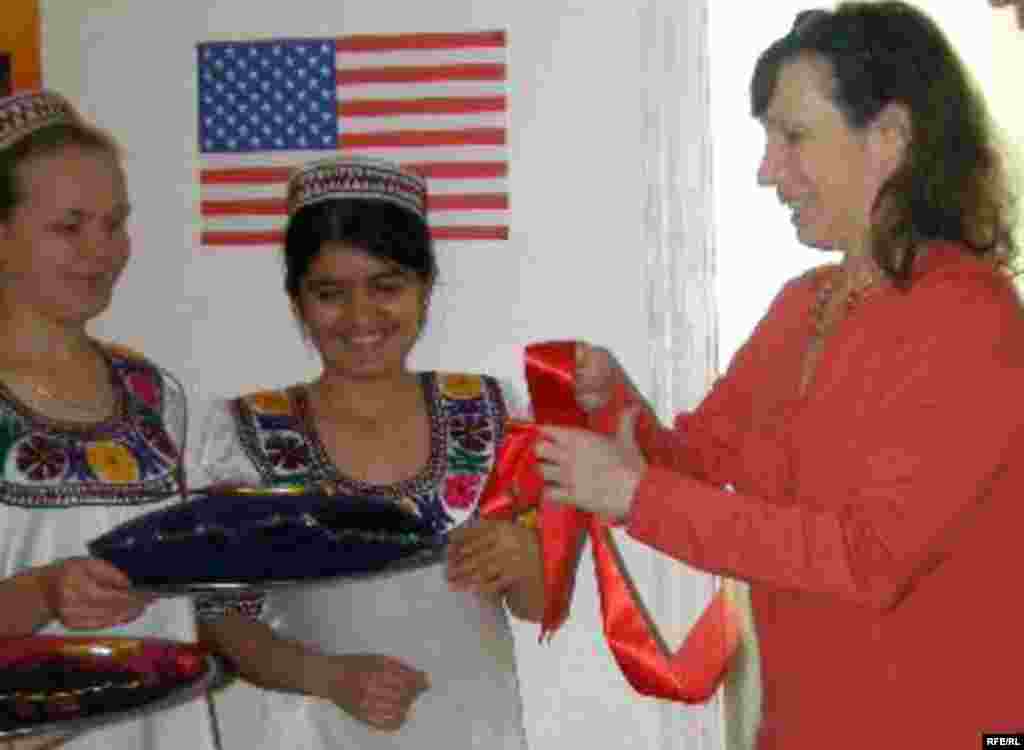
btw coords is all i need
(90, 434)
(420, 659)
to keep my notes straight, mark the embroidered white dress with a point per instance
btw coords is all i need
(462, 642)
(61, 486)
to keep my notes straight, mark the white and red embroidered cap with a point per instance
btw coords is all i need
(349, 177)
(26, 112)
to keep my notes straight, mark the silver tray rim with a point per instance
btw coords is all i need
(433, 555)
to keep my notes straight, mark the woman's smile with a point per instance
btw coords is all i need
(362, 313)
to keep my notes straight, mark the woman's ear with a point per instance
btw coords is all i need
(891, 136)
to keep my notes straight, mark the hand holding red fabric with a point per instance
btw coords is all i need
(596, 371)
(593, 472)
(693, 673)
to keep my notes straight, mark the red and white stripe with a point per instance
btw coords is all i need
(436, 103)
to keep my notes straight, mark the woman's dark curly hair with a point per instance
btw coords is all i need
(953, 183)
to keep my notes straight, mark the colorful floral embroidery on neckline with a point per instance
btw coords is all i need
(467, 415)
(128, 459)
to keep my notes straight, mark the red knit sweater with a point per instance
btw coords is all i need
(879, 518)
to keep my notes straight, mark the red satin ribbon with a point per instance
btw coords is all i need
(691, 674)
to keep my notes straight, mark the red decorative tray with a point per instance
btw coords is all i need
(66, 685)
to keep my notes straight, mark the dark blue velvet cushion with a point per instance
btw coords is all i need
(260, 537)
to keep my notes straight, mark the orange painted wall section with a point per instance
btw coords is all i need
(19, 41)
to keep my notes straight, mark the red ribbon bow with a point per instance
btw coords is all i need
(691, 674)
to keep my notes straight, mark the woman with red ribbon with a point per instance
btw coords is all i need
(859, 462)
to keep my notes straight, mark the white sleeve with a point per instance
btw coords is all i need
(176, 408)
(517, 403)
(217, 454)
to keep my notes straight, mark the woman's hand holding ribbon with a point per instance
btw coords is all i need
(591, 471)
(571, 459)
(596, 375)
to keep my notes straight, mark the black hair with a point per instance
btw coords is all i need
(381, 228)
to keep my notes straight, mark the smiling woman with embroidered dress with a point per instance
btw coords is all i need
(420, 659)
(859, 462)
(90, 434)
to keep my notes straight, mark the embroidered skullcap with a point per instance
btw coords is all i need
(349, 177)
(27, 112)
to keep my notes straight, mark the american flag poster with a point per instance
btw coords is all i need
(435, 103)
